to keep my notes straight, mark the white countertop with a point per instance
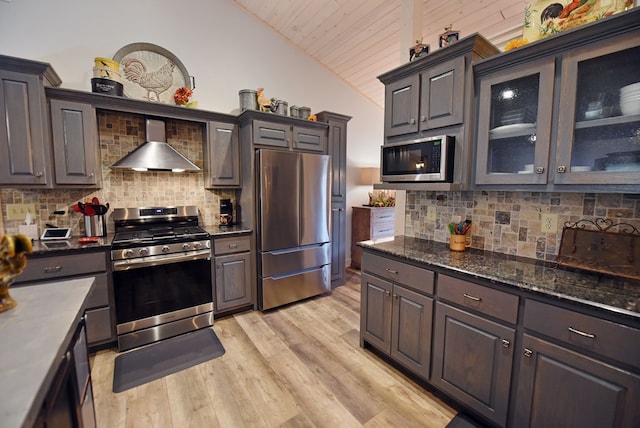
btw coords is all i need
(33, 336)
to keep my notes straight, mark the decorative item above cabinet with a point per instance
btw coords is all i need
(557, 114)
(433, 95)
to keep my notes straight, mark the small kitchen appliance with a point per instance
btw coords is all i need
(161, 263)
(418, 160)
(226, 212)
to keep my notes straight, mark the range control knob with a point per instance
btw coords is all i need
(166, 249)
(144, 251)
(128, 253)
(197, 245)
(186, 246)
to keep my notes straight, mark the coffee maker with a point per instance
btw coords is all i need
(226, 213)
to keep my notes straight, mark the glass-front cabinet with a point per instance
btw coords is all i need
(514, 125)
(599, 127)
(563, 113)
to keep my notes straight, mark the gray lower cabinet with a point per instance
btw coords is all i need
(76, 152)
(222, 156)
(100, 312)
(472, 360)
(473, 344)
(578, 372)
(396, 317)
(232, 263)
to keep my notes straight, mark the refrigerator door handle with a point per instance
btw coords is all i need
(294, 250)
(297, 273)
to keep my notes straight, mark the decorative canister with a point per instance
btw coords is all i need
(95, 225)
(293, 111)
(283, 108)
(248, 99)
(304, 112)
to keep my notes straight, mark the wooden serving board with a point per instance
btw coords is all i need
(612, 253)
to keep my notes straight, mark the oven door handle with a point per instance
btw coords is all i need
(142, 262)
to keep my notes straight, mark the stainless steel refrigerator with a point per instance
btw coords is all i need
(294, 238)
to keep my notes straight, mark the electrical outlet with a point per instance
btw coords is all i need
(549, 223)
(19, 211)
(431, 213)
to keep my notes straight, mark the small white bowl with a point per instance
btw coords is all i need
(630, 108)
(632, 87)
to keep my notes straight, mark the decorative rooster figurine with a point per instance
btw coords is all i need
(155, 82)
(264, 103)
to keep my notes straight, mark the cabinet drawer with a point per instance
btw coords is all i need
(412, 276)
(382, 215)
(44, 268)
(98, 325)
(584, 331)
(492, 302)
(271, 134)
(232, 245)
(310, 139)
(382, 229)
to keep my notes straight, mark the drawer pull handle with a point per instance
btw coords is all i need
(505, 343)
(470, 297)
(233, 245)
(395, 272)
(527, 352)
(384, 216)
(52, 269)
(582, 333)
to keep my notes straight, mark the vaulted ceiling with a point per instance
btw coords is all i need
(358, 40)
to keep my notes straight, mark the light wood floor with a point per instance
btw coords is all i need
(297, 366)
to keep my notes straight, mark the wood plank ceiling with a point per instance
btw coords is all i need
(358, 40)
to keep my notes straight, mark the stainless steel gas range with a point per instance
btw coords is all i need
(161, 263)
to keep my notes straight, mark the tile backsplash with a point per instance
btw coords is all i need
(511, 222)
(119, 134)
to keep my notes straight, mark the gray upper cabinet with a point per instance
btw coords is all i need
(25, 148)
(401, 104)
(431, 99)
(442, 94)
(554, 115)
(292, 134)
(432, 96)
(514, 125)
(76, 150)
(222, 155)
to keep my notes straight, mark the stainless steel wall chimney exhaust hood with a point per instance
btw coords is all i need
(155, 154)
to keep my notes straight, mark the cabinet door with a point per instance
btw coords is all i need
(24, 143)
(310, 139)
(411, 330)
(598, 123)
(75, 143)
(271, 134)
(338, 235)
(401, 105)
(375, 312)
(561, 388)
(337, 149)
(472, 361)
(514, 125)
(233, 285)
(441, 95)
(223, 156)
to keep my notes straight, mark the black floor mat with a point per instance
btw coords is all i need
(160, 359)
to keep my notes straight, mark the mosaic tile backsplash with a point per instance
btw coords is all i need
(510, 222)
(119, 134)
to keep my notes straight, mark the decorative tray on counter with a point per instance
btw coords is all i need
(600, 249)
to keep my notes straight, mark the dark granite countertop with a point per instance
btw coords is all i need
(603, 292)
(48, 248)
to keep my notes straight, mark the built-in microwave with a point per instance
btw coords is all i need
(423, 159)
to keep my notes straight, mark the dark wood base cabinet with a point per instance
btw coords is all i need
(559, 387)
(472, 361)
(507, 356)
